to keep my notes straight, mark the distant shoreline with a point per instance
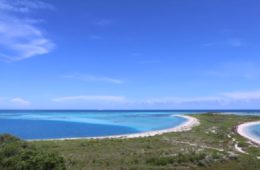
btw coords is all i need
(186, 126)
(241, 130)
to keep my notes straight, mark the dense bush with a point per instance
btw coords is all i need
(19, 155)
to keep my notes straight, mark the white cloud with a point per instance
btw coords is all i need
(20, 102)
(244, 95)
(92, 78)
(183, 100)
(20, 38)
(90, 98)
(223, 99)
(15, 102)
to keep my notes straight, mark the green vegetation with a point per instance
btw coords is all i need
(18, 155)
(208, 146)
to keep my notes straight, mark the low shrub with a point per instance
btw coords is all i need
(19, 155)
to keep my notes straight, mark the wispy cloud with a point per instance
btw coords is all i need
(15, 102)
(103, 22)
(20, 101)
(89, 98)
(188, 102)
(95, 37)
(244, 95)
(24, 6)
(230, 42)
(236, 69)
(223, 99)
(92, 78)
(2, 99)
(20, 38)
(235, 42)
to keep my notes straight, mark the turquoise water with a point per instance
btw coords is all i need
(68, 124)
(254, 131)
(73, 124)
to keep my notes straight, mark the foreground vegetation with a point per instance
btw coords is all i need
(18, 155)
(208, 146)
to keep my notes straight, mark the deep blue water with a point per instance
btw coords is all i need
(42, 124)
(44, 129)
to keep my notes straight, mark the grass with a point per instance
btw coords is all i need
(204, 147)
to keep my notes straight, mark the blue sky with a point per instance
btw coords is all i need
(122, 54)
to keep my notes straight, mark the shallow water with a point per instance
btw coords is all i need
(68, 124)
(254, 131)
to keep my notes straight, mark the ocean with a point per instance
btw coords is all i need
(55, 124)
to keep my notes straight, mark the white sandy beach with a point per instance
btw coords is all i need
(187, 125)
(241, 130)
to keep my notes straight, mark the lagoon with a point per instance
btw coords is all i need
(57, 124)
(31, 125)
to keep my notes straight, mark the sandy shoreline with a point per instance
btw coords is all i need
(241, 130)
(187, 125)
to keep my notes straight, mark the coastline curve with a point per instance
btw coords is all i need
(241, 130)
(186, 126)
